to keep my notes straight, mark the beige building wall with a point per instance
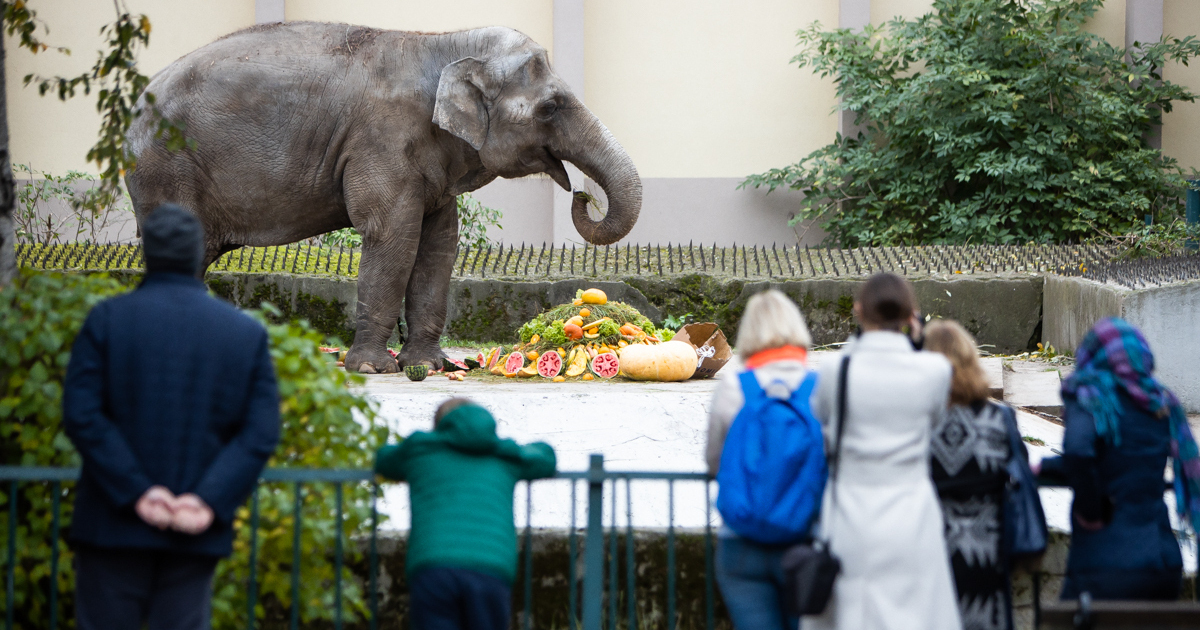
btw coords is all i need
(1181, 126)
(700, 93)
(706, 89)
(55, 136)
(535, 18)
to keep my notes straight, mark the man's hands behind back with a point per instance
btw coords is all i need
(186, 513)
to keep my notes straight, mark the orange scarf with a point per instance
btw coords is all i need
(783, 353)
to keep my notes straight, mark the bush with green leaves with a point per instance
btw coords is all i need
(325, 424)
(989, 121)
(40, 314)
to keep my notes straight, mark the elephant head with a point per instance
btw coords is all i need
(523, 119)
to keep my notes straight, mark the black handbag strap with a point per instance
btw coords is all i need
(843, 376)
(836, 455)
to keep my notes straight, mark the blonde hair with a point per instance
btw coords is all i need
(949, 338)
(771, 320)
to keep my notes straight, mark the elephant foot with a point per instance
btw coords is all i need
(412, 354)
(370, 361)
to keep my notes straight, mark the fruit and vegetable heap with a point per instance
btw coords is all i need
(582, 339)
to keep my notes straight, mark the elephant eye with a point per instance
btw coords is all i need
(547, 109)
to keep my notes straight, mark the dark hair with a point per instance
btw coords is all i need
(887, 301)
(445, 408)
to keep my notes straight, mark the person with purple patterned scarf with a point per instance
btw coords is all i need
(1121, 426)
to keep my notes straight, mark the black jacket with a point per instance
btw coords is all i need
(168, 386)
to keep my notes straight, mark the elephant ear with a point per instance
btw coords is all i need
(461, 105)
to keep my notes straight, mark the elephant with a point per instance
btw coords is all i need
(302, 128)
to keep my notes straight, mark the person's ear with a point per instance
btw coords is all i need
(462, 99)
(857, 310)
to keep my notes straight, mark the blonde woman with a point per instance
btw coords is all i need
(772, 345)
(969, 449)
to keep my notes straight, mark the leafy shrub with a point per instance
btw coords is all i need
(474, 219)
(325, 425)
(1153, 241)
(40, 314)
(991, 121)
(93, 206)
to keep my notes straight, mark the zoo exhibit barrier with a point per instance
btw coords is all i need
(586, 605)
(550, 260)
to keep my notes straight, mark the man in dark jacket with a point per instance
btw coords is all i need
(462, 550)
(170, 398)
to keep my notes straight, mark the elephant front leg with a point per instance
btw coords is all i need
(428, 287)
(387, 261)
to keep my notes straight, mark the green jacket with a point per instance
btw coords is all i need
(460, 486)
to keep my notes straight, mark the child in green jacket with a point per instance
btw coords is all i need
(462, 548)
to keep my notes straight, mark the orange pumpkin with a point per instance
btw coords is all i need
(573, 331)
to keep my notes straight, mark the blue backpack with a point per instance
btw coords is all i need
(773, 468)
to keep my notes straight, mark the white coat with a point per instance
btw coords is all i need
(886, 523)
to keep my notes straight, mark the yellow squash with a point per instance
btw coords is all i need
(594, 296)
(578, 363)
(670, 361)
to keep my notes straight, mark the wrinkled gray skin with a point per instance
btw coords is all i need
(304, 128)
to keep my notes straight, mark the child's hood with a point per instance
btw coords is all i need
(469, 428)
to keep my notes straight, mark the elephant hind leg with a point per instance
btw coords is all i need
(428, 288)
(387, 261)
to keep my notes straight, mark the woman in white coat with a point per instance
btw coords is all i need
(885, 523)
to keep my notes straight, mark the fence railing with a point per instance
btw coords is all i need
(548, 260)
(587, 605)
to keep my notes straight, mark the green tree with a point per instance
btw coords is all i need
(990, 121)
(117, 83)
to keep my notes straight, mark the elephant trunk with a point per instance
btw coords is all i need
(592, 149)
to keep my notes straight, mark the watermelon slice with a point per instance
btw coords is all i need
(550, 364)
(514, 363)
(452, 365)
(493, 357)
(472, 363)
(605, 365)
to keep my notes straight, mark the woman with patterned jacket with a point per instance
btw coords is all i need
(969, 449)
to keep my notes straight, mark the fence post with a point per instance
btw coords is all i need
(593, 577)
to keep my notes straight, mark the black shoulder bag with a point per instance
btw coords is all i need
(809, 569)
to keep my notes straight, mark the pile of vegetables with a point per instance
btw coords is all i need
(582, 339)
(590, 320)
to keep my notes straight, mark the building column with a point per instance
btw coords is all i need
(854, 15)
(569, 64)
(267, 11)
(1144, 24)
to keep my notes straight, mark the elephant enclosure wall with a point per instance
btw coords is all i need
(1003, 312)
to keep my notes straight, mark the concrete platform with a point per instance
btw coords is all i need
(993, 368)
(637, 426)
(1034, 386)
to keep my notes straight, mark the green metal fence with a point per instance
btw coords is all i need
(586, 596)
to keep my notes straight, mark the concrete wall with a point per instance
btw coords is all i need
(1168, 316)
(1002, 313)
